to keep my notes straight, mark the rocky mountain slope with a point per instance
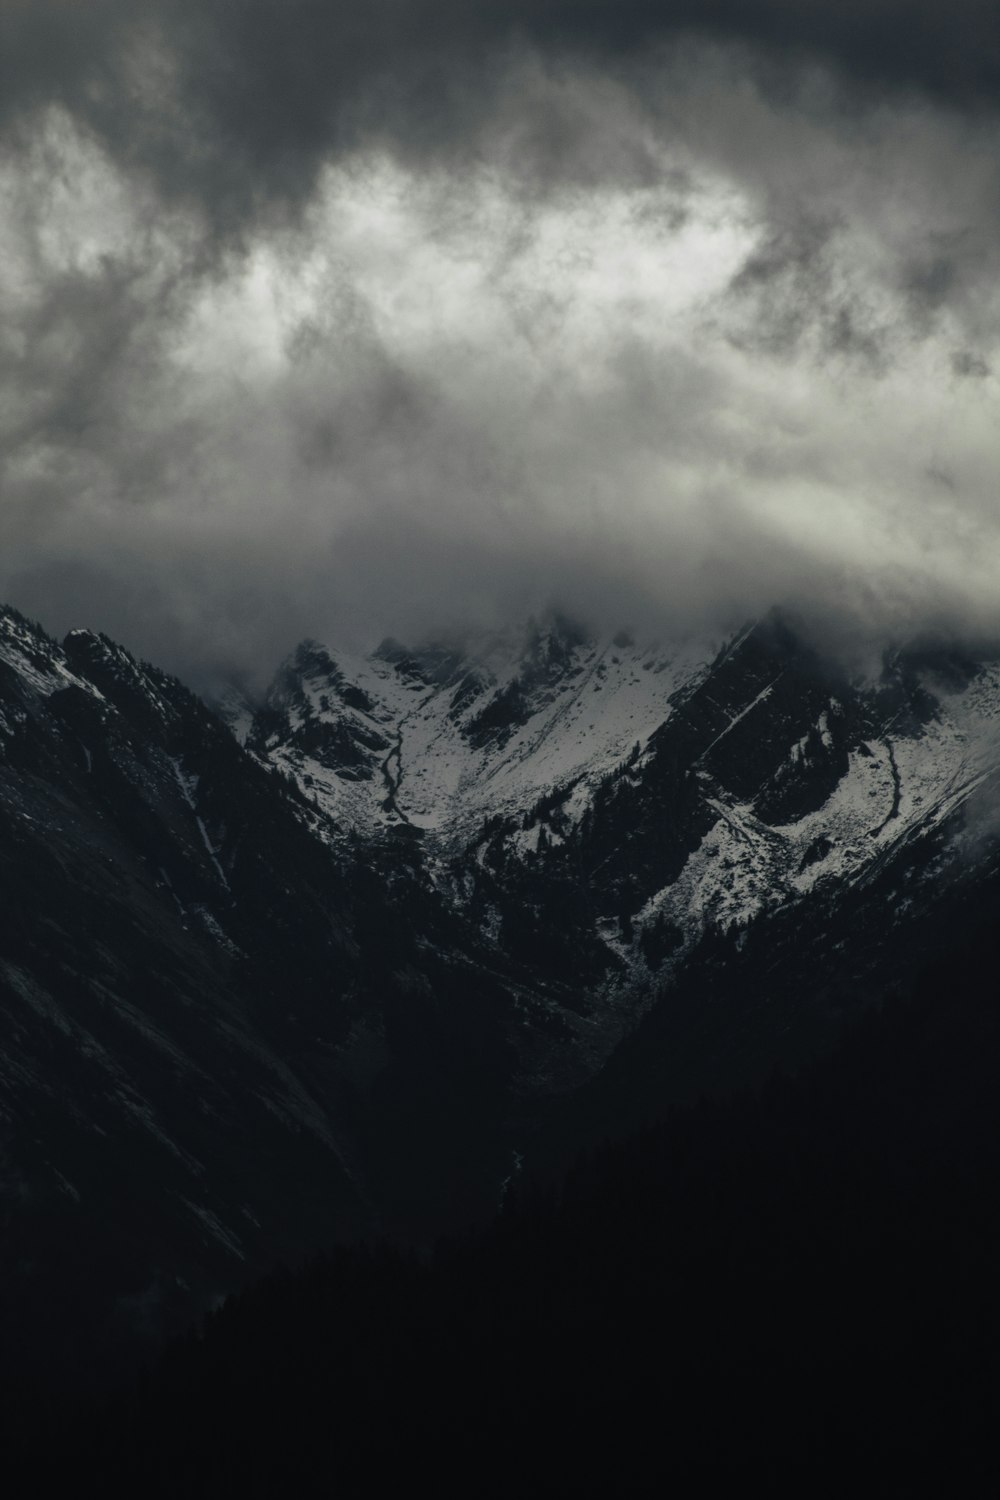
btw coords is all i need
(224, 1037)
(595, 807)
(425, 911)
(171, 944)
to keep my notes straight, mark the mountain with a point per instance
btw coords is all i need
(797, 1281)
(440, 738)
(338, 968)
(175, 966)
(599, 808)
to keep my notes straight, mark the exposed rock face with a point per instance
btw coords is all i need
(574, 794)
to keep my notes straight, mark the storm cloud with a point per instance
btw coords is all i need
(320, 321)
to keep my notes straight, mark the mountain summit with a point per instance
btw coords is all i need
(695, 784)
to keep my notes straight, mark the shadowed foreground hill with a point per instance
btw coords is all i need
(797, 1285)
(172, 940)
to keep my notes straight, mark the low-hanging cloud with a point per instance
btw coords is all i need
(317, 322)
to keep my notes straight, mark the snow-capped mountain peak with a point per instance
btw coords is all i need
(679, 787)
(443, 737)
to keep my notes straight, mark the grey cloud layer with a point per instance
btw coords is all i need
(316, 319)
(236, 106)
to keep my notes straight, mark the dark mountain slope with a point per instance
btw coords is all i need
(796, 1288)
(779, 991)
(236, 1024)
(173, 940)
(222, 1040)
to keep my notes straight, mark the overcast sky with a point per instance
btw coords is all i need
(339, 320)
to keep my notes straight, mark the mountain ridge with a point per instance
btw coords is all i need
(465, 750)
(260, 990)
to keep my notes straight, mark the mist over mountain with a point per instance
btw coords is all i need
(509, 490)
(668, 314)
